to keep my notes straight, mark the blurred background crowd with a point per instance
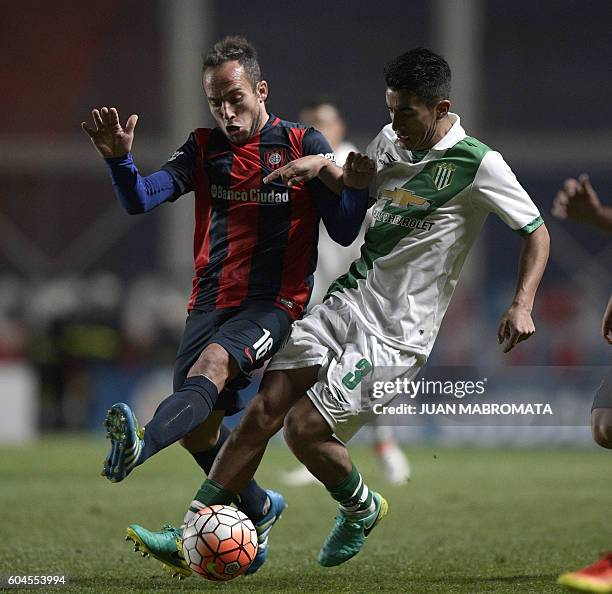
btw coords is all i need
(92, 301)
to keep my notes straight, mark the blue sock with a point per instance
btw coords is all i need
(178, 415)
(252, 500)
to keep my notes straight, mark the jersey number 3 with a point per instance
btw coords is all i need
(352, 379)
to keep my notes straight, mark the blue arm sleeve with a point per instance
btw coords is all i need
(342, 216)
(139, 194)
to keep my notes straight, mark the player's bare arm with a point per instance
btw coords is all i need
(306, 169)
(578, 201)
(107, 135)
(516, 323)
(356, 173)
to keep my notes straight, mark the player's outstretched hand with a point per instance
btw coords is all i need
(298, 171)
(606, 323)
(108, 136)
(515, 326)
(578, 201)
(358, 171)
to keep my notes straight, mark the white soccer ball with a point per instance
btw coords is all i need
(219, 543)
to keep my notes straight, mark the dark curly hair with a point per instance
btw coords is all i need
(235, 48)
(421, 72)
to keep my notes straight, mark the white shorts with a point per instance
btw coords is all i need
(351, 360)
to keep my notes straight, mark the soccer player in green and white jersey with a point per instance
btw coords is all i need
(433, 189)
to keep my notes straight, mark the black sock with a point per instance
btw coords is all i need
(252, 500)
(178, 415)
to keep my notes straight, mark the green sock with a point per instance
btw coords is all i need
(353, 495)
(211, 493)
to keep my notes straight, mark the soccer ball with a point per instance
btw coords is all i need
(219, 543)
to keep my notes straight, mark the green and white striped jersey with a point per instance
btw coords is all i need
(426, 217)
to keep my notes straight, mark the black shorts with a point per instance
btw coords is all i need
(603, 396)
(251, 335)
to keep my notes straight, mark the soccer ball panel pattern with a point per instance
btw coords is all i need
(219, 543)
(224, 531)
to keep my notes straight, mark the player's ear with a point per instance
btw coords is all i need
(442, 108)
(261, 90)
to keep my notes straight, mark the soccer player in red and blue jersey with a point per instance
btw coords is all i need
(255, 249)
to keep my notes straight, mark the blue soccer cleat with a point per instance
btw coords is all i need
(126, 442)
(263, 527)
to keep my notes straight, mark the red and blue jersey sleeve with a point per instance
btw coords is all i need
(314, 143)
(181, 166)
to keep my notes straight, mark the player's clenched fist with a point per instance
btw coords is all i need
(358, 170)
(515, 326)
(108, 136)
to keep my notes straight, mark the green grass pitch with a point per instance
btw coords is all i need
(470, 520)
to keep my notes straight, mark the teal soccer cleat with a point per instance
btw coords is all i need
(164, 545)
(263, 527)
(126, 442)
(348, 534)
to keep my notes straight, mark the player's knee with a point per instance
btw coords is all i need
(292, 431)
(261, 420)
(214, 362)
(601, 427)
(602, 436)
(301, 428)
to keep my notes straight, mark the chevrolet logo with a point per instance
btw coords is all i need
(404, 197)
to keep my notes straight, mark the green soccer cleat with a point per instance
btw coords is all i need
(348, 534)
(164, 545)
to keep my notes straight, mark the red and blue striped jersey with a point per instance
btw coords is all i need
(253, 243)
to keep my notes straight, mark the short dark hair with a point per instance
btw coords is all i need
(421, 72)
(235, 47)
(319, 101)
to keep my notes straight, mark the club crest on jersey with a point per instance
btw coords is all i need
(275, 159)
(442, 175)
(404, 197)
